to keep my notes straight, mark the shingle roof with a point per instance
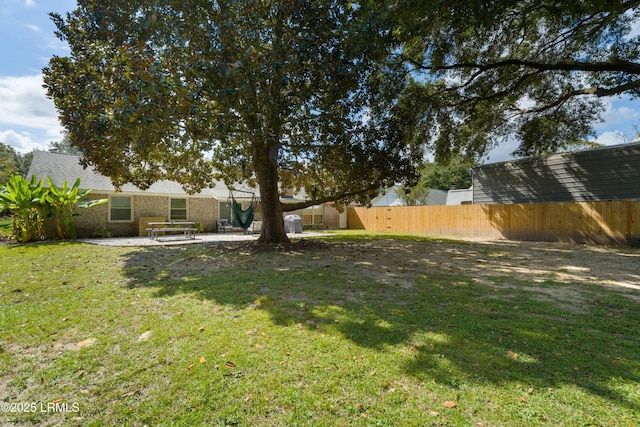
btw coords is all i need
(61, 167)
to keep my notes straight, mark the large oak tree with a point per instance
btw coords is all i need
(283, 94)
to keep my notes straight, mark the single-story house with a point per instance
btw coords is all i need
(389, 197)
(600, 174)
(459, 197)
(128, 209)
(450, 197)
(435, 197)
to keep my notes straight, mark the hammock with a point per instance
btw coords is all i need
(244, 217)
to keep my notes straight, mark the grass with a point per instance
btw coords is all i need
(361, 331)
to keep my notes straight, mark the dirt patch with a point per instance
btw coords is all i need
(252, 246)
(7, 241)
(561, 274)
(529, 266)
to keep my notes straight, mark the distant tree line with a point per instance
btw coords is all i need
(15, 163)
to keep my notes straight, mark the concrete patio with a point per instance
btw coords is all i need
(180, 240)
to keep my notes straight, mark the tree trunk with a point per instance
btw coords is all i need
(266, 166)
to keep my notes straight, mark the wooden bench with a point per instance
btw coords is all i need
(143, 226)
(186, 228)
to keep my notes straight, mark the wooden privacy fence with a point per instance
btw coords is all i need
(610, 223)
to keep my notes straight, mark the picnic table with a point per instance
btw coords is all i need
(187, 228)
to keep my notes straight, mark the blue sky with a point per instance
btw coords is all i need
(28, 119)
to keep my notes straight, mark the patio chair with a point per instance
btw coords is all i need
(223, 225)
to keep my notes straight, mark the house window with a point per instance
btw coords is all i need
(178, 209)
(312, 215)
(224, 209)
(120, 209)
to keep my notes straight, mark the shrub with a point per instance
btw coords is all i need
(102, 232)
(25, 200)
(63, 203)
(30, 203)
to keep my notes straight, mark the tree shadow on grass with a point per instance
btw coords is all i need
(499, 328)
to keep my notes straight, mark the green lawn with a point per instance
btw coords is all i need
(376, 330)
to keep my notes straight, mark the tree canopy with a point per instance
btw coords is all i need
(12, 162)
(533, 70)
(283, 94)
(444, 177)
(65, 146)
(8, 163)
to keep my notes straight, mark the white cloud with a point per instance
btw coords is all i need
(621, 120)
(611, 138)
(22, 142)
(33, 28)
(618, 112)
(25, 111)
(30, 3)
(24, 102)
(635, 29)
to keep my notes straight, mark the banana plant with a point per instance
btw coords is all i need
(63, 202)
(25, 200)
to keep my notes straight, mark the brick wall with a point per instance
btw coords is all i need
(199, 209)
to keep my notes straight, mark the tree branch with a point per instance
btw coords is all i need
(602, 66)
(596, 91)
(288, 207)
(505, 92)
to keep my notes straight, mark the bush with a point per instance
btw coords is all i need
(25, 200)
(30, 204)
(5, 227)
(101, 232)
(63, 203)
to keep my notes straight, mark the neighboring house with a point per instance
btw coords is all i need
(607, 173)
(435, 197)
(318, 216)
(438, 197)
(389, 198)
(459, 197)
(165, 199)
